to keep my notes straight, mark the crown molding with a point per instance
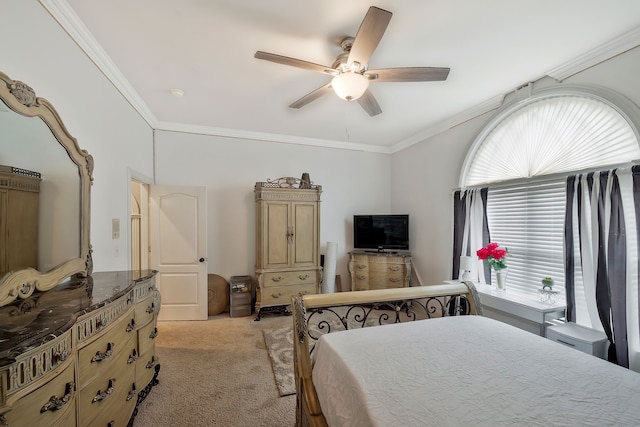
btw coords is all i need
(71, 23)
(444, 125)
(269, 137)
(619, 45)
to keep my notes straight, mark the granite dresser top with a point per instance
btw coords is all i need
(27, 323)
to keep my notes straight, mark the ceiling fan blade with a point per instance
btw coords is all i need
(293, 62)
(311, 96)
(369, 35)
(408, 74)
(369, 104)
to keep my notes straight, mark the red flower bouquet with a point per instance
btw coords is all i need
(493, 255)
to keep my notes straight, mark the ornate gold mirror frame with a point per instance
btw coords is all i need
(22, 283)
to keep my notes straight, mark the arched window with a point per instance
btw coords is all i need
(524, 155)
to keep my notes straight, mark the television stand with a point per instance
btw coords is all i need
(379, 270)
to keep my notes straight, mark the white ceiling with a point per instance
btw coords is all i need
(206, 47)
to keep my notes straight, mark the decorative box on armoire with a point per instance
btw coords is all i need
(19, 204)
(287, 242)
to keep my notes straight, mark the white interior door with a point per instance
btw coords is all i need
(178, 240)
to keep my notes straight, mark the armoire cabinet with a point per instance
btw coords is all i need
(19, 203)
(287, 244)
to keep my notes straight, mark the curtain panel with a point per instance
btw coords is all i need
(601, 258)
(470, 230)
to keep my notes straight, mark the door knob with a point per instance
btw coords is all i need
(201, 259)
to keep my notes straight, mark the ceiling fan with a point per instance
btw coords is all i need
(351, 76)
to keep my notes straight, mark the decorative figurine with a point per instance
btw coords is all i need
(305, 181)
(547, 283)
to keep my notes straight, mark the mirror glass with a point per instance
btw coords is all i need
(34, 138)
(28, 143)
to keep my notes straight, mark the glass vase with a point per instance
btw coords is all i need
(501, 278)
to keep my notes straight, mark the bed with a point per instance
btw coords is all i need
(432, 359)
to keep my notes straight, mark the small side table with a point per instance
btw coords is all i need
(587, 340)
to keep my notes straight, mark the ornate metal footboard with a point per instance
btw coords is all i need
(316, 315)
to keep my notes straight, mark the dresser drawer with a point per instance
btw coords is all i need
(146, 310)
(38, 408)
(281, 295)
(146, 337)
(98, 356)
(289, 278)
(103, 398)
(386, 279)
(387, 268)
(145, 368)
(360, 267)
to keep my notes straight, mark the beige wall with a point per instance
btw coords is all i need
(352, 182)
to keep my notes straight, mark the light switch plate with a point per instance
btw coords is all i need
(115, 228)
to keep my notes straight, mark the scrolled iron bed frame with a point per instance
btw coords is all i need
(315, 315)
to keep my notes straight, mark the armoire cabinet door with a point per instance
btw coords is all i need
(277, 235)
(305, 234)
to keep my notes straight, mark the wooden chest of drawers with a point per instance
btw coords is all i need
(82, 355)
(373, 270)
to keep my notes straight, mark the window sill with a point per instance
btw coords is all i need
(518, 309)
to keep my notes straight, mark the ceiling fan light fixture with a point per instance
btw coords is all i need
(349, 85)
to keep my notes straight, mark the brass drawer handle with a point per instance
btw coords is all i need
(102, 395)
(277, 279)
(151, 308)
(154, 334)
(394, 279)
(394, 267)
(151, 363)
(111, 423)
(361, 266)
(133, 392)
(361, 277)
(276, 294)
(133, 357)
(54, 403)
(303, 276)
(99, 357)
(131, 326)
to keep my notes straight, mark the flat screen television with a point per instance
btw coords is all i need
(381, 232)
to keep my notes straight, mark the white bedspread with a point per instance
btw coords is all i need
(467, 371)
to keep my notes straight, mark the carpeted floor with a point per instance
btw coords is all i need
(216, 373)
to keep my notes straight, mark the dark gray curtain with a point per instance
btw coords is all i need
(462, 199)
(569, 265)
(610, 259)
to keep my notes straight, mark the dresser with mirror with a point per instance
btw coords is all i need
(76, 346)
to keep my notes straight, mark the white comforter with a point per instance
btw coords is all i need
(467, 371)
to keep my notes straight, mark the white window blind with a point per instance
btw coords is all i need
(551, 135)
(528, 219)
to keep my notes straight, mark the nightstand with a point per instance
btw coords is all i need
(587, 340)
